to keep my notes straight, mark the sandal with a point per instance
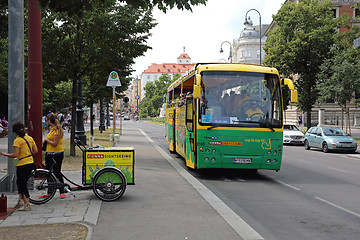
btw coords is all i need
(25, 208)
(19, 204)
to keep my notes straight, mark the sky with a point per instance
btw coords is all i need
(201, 31)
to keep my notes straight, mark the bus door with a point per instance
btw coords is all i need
(170, 121)
(189, 133)
(172, 143)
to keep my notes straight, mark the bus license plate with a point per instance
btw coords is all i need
(242, 160)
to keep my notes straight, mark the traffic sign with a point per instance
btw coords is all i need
(113, 80)
(137, 97)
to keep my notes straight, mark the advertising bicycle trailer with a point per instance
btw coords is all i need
(121, 158)
(106, 170)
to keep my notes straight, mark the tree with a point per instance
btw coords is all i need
(300, 43)
(339, 78)
(78, 7)
(89, 47)
(154, 94)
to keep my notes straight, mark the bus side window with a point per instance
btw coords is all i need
(169, 99)
(189, 113)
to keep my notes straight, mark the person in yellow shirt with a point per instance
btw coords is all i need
(24, 148)
(55, 150)
(254, 112)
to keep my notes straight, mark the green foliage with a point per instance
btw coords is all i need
(154, 94)
(339, 78)
(90, 47)
(300, 43)
(3, 19)
(78, 7)
(61, 95)
(3, 66)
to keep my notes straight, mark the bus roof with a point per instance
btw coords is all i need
(224, 67)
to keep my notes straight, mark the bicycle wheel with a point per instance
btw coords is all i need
(109, 184)
(42, 187)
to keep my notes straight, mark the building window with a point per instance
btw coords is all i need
(249, 53)
(148, 76)
(334, 12)
(357, 12)
(258, 53)
(155, 77)
(357, 43)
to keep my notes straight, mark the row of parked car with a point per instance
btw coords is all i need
(323, 137)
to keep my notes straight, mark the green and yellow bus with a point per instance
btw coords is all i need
(227, 116)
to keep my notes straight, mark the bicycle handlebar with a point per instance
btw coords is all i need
(80, 144)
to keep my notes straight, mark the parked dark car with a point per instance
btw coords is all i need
(329, 138)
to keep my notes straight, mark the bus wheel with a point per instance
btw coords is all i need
(325, 147)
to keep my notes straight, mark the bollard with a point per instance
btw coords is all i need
(3, 203)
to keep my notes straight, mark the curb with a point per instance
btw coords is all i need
(90, 229)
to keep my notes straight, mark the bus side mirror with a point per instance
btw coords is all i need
(294, 96)
(197, 92)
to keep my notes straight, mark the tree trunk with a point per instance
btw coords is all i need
(91, 119)
(308, 119)
(73, 118)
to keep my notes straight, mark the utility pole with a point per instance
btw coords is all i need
(16, 99)
(35, 78)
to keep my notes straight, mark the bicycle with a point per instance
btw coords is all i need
(108, 184)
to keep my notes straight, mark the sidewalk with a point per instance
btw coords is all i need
(84, 207)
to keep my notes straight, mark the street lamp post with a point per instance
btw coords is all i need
(79, 128)
(246, 22)
(137, 94)
(230, 54)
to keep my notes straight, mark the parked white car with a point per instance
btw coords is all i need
(292, 135)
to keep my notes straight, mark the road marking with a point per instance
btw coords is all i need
(288, 185)
(226, 179)
(338, 169)
(240, 179)
(238, 224)
(304, 161)
(337, 206)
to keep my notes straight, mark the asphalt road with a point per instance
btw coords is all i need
(314, 196)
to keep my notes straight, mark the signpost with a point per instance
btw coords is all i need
(114, 81)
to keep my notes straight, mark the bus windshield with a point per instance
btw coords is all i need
(234, 98)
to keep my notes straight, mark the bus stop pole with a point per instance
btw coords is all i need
(114, 115)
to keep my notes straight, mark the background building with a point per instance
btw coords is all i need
(246, 48)
(155, 71)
